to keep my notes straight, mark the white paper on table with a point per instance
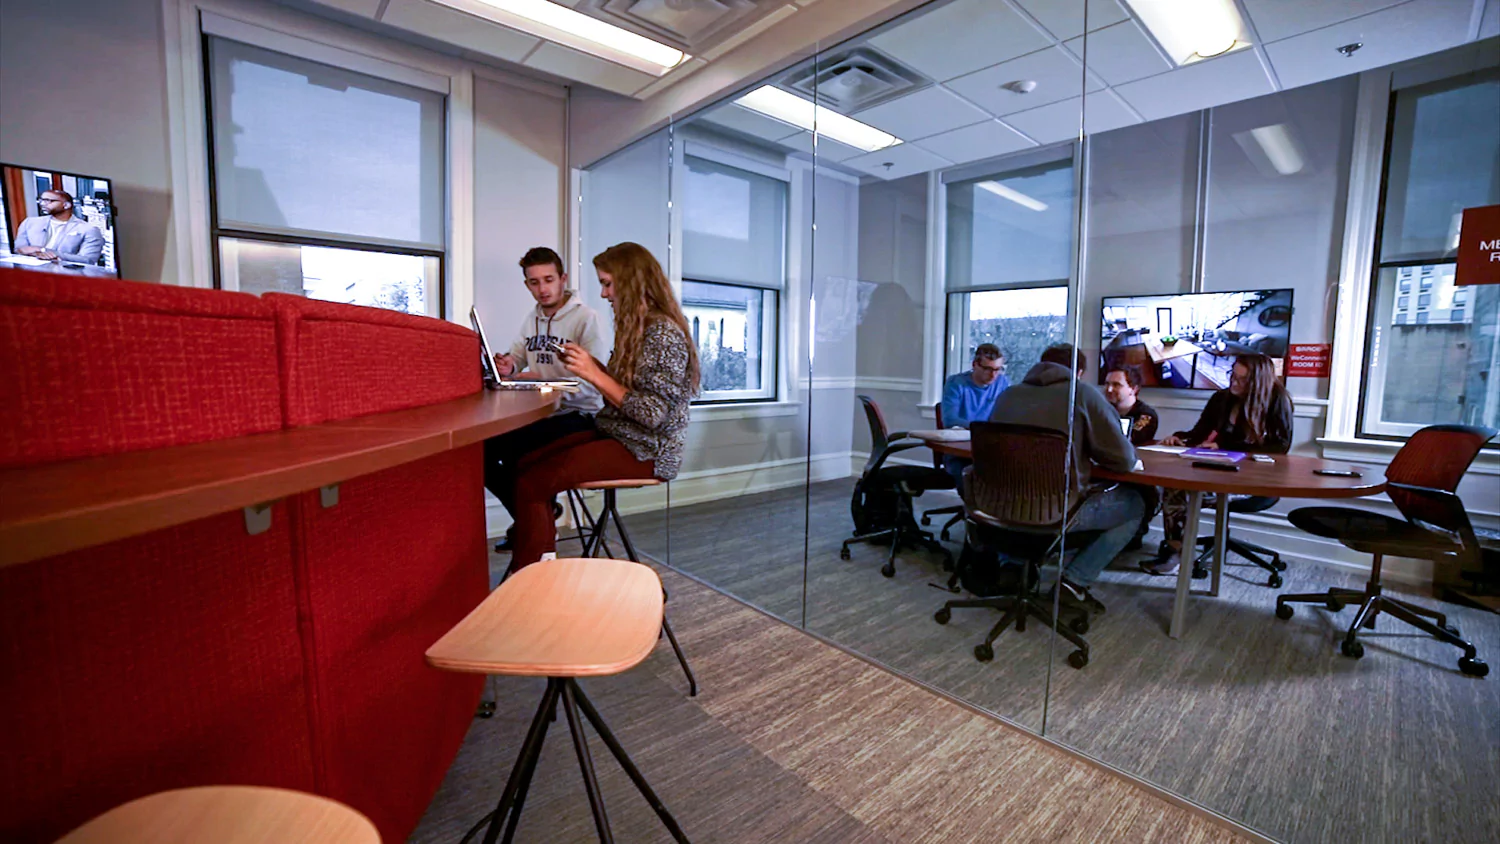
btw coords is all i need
(1164, 449)
(947, 435)
(24, 260)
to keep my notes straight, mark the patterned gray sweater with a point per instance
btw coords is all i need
(652, 421)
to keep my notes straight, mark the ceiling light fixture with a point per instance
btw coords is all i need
(548, 20)
(1277, 143)
(1191, 30)
(790, 108)
(1013, 195)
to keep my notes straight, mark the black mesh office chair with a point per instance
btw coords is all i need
(882, 502)
(956, 510)
(1421, 482)
(1019, 488)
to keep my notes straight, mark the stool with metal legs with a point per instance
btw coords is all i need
(596, 542)
(231, 814)
(562, 620)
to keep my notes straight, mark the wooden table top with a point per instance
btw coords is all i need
(1291, 476)
(57, 507)
(228, 814)
(559, 618)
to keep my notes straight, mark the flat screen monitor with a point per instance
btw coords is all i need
(75, 232)
(1190, 340)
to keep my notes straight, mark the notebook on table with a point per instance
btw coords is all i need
(1212, 455)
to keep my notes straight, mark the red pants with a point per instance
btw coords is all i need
(561, 466)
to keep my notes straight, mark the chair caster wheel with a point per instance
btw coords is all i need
(1199, 573)
(926, 520)
(1079, 626)
(1278, 564)
(1352, 649)
(1283, 611)
(1274, 581)
(844, 553)
(888, 570)
(942, 616)
(983, 652)
(1078, 659)
(1473, 666)
(487, 708)
(1333, 604)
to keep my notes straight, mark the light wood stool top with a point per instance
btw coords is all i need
(228, 814)
(559, 618)
(623, 483)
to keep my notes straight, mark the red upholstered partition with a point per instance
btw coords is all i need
(342, 361)
(97, 367)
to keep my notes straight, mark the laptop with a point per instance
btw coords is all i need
(492, 379)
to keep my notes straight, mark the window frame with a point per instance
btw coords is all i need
(770, 365)
(954, 363)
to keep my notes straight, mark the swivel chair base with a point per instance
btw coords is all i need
(1260, 555)
(904, 533)
(1016, 609)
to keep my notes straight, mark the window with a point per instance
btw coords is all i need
(1441, 364)
(326, 182)
(733, 267)
(1009, 254)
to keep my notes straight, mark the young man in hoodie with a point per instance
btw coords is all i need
(1041, 399)
(559, 318)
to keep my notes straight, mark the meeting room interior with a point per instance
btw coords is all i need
(960, 420)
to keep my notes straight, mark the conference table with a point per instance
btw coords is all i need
(1289, 476)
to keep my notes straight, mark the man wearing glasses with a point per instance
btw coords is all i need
(971, 395)
(59, 235)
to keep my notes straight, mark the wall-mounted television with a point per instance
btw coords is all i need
(1190, 340)
(57, 221)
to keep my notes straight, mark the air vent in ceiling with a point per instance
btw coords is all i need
(854, 80)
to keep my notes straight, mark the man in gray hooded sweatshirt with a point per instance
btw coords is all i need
(559, 317)
(1041, 399)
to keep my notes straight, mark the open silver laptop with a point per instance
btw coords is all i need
(492, 379)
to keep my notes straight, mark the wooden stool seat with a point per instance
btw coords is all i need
(559, 618)
(228, 814)
(623, 483)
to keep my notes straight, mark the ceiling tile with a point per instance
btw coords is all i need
(972, 143)
(1120, 53)
(961, 37)
(1064, 18)
(905, 160)
(1392, 35)
(828, 148)
(751, 123)
(1237, 76)
(927, 112)
(1278, 19)
(1058, 76)
(571, 64)
(458, 28)
(1059, 121)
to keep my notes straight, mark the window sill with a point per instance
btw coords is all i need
(1380, 452)
(743, 410)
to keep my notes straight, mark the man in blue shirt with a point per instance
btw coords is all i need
(971, 395)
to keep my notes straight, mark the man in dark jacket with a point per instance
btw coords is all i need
(1122, 386)
(1041, 399)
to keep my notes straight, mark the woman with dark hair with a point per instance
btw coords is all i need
(1253, 414)
(647, 386)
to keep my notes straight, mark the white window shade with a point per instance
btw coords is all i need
(1010, 228)
(305, 149)
(733, 225)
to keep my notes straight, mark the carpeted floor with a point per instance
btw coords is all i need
(1256, 718)
(791, 740)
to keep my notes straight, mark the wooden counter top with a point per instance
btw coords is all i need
(58, 507)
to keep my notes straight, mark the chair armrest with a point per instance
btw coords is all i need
(878, 460)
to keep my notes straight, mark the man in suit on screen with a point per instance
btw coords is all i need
(58, 234)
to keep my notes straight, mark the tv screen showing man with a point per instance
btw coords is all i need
(58, 220)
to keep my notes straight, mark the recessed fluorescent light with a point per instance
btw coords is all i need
(1275, 145)
(1013, 195)
(1190, 30)
(790, 108)
(548, 20)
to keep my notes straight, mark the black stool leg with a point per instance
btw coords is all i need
(666, 627)
(612, 509)
(586, 763)
(531, 748)
(620, 756)
(515, 811)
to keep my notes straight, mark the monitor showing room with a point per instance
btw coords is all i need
(1190, 340)
(57, 221)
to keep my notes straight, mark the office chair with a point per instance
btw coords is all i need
(1260, 555)
(957, 510)
(1420, 481)
(898, 485)
(1019, 486)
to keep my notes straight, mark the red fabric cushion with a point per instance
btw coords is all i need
(162, 661)
(341, 361)
(97, 366)
(385, 573)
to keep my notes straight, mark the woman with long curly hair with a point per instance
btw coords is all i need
(1254, 414)
(647, 386)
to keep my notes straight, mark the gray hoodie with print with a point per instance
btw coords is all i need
(574, 322)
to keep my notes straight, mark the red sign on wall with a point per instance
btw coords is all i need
(1308, 360)
(1479, 247)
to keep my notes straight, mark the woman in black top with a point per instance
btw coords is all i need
(1254, 414)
